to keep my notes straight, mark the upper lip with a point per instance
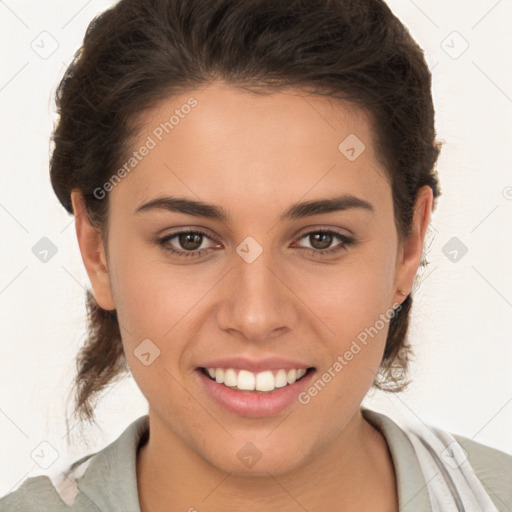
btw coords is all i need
(256, 365)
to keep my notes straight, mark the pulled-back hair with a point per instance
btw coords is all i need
(140, 52)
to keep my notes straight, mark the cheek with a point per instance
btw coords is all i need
(155, 304)
(351, 295)
(354, 312)
(156, 300)
(352, 301)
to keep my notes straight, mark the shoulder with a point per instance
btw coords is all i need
(31, 495)
(493, 468)
(104, 481)
(46, 493)
(407, 439)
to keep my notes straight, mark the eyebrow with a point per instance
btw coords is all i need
(215, 212)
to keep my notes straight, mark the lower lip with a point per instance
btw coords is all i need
(252, 404)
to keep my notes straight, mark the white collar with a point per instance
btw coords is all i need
(451, 481)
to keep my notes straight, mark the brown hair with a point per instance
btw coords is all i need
(142, 51)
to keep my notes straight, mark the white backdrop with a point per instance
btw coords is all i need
(462, 318)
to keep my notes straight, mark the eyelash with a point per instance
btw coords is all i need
(346, 242)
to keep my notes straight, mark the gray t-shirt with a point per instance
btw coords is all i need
(106, 481)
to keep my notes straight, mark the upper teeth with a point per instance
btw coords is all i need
(263, 381)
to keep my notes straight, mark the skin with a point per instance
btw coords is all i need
(255, 155)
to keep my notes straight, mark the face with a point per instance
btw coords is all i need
(249, 288)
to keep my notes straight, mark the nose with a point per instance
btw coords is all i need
(258, 301)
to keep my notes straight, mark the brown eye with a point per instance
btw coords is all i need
(188, 244)
(190, 241)
(321, 241)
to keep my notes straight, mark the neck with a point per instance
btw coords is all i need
(355, 472)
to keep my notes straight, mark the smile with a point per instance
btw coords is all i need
(245, 380)
(257, 394)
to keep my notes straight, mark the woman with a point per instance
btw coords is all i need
(252, 182)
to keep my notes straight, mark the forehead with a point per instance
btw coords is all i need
(221, 144)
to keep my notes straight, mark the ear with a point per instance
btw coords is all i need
(411, 248)
(93, 253)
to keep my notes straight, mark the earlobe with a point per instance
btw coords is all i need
(93, 253)
(411, 250)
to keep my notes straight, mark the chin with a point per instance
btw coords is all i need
(251, 461)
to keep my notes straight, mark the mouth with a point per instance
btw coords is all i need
(251, 382)
(250, 394)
